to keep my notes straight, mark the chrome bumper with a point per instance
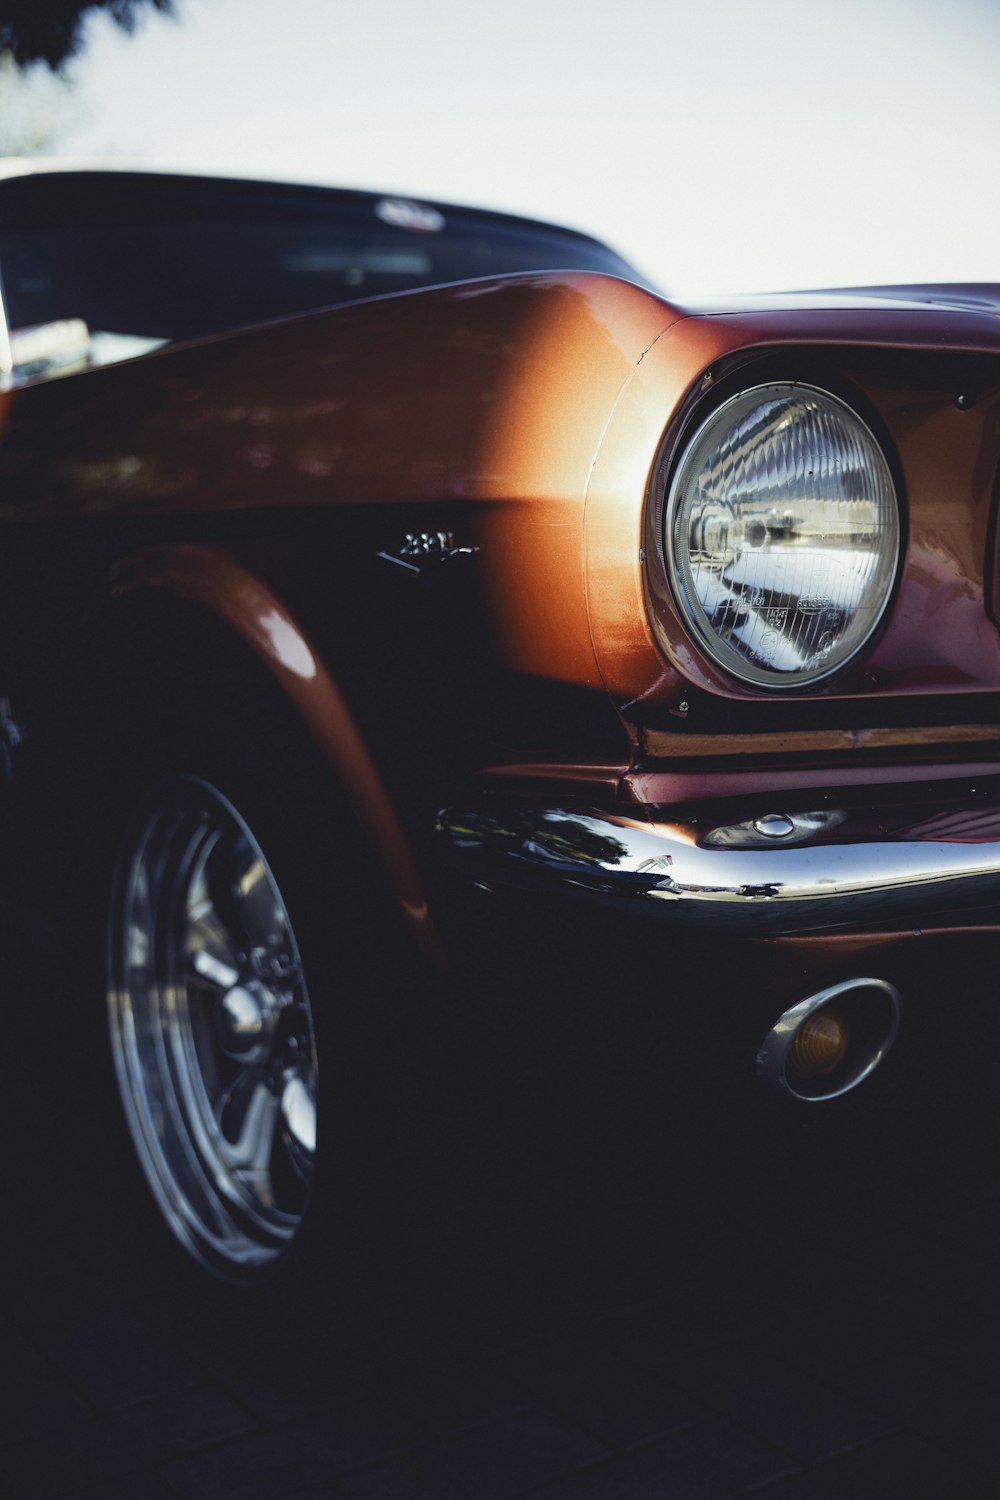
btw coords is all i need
(774, 872)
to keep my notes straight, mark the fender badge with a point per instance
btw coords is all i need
(424, 554)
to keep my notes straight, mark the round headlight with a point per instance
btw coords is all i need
(781, 533)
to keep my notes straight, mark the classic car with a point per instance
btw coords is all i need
(402, 601)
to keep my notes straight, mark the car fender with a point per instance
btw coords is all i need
(246, 606)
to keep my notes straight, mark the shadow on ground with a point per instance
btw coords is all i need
(578, 1294)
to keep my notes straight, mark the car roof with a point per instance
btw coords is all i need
(19, 167)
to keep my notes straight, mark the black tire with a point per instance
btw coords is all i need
(241, 756)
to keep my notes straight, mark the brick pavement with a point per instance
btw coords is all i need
(813, 1361)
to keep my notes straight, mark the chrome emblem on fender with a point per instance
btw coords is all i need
(425, 553)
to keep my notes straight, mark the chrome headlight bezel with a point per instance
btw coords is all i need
(723, 660)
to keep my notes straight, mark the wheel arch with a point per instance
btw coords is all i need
(165, 599)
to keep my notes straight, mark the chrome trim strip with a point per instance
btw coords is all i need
(842, 878)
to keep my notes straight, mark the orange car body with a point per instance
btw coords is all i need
(519, 430)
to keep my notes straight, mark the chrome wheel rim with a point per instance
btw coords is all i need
(211, 1030)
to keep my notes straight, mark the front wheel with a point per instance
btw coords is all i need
(269, 1078)
(212, 1030)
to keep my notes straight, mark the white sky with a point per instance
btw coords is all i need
(744, 145)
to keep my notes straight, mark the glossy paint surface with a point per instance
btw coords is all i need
(543, 413)
(206, 577)
(491, 396)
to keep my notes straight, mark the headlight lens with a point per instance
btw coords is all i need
(782, 535)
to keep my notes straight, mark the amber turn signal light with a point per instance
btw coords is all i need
(827, 1043)
(819, 1046)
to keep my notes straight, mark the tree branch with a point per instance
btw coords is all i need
(50, 31)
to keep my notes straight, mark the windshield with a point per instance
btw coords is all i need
(147, 260)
